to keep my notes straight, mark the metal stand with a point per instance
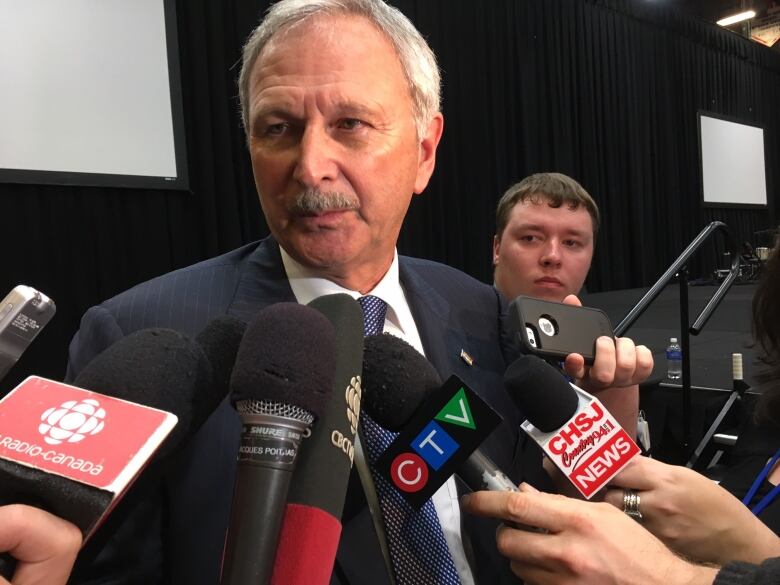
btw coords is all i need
(685, 346)
(733, 397)
(679, 268)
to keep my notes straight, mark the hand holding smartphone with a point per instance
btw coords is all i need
(555, 330)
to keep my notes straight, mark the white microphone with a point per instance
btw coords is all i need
(572, 427)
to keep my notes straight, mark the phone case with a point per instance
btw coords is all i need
(550, 329)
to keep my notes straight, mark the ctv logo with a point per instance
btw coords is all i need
(433, 446)
(443, 433)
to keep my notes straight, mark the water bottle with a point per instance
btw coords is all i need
(673, 360)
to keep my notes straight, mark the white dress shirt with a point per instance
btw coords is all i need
(399, 322)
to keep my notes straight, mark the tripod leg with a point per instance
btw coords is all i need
(712, 430)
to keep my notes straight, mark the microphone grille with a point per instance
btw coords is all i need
(272, 408)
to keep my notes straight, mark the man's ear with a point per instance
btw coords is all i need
(496, 249)
(427, 155)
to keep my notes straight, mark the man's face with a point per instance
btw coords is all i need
(544, 252)
(331, 118)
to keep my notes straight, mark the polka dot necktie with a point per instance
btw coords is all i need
(418, 550)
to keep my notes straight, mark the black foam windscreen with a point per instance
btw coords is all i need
(76, 502)
(160, 368)
(287, 356)
(541, 393)
(220, 340)
(397, 378)
(324, 463)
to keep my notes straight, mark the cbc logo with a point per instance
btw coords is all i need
(72, 421)
(352, 396)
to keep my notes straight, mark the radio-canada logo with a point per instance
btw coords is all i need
(72, 421)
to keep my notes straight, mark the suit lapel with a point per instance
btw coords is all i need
(431, 314)
(262, 282)
(443, 342)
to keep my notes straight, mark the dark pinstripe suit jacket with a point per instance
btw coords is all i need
(175, 532)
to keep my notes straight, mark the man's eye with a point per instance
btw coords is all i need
(276, 129)
(350, 124)
(573, 244)
(527, 238)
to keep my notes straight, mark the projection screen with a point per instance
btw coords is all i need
(732, 162)
(91, 93)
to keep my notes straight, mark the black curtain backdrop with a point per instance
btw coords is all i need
(604, 90)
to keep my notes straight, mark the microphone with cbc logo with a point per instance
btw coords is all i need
(311, 527)
(436, 438)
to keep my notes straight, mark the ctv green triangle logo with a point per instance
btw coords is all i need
(457, 411)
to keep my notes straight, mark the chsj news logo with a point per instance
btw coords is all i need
(444, 431)
(71, 421)
(590, 449)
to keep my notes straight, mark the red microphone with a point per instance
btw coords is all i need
(311, 527)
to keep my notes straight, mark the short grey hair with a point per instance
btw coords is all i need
(417, 59)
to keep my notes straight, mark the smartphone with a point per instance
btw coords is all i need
(554, 330)
(23, 313)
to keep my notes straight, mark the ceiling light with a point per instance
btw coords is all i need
(729, 20)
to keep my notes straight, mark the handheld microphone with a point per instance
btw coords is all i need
(23, 313)
(74, 452)
(311, 527)
(440, 426)
(573, 428)
(219, 340)
(282, 380)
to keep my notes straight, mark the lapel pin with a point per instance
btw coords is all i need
(466, 357)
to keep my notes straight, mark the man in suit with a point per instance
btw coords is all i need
(340, 101)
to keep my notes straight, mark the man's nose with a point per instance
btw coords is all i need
(551, 254)
(315, 163)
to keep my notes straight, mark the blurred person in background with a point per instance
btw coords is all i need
(754, 474)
